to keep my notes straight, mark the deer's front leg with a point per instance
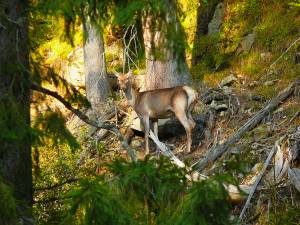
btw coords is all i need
(146, 125)
(155, 128)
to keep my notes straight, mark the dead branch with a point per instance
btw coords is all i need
(214, 153)
(294, 117)
(258, 179)
(294, 42)
(168, 153)
(85, 118)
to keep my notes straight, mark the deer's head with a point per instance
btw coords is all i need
(124, 79)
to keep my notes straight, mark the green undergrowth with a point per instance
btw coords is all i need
(8, 214)
(275, 25)
(148, 192)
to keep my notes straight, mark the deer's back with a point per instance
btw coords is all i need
(159, 103)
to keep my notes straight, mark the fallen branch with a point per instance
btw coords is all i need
(258, 179)
(85, 118)
(294, 42)
(295, 116)
(233, 191)
(214, 153)
(168, 153)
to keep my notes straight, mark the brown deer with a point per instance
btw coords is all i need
(159, 104)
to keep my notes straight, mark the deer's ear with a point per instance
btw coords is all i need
(117, 74)
(130, 73)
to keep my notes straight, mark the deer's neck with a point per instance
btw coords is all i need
(131, 95)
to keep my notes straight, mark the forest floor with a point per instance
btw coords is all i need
(222, 112)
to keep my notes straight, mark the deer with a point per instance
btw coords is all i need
(159, 104)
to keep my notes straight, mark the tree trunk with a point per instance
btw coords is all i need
(15, 150)
(205, 14)
(97, 87)
(165, 57)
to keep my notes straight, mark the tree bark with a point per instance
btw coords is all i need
(15, 150)
(205, 14)
(97, 87)
(164, 48)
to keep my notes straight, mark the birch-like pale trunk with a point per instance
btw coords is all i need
(97, 87)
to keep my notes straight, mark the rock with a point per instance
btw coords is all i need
(246, 43)
(229, 80)
(227, 90)
(220, 107)
(215, 24)
(252, 84)
(270, 82)
(235, 150)
(211, 95)
(257, 98)
(265, 56)
(213, 104)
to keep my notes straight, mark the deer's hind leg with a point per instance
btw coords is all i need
(179, 108)
(189, 114)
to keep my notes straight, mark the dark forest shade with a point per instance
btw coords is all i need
(15, 141)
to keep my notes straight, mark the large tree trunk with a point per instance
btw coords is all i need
(165, 57)
(205, 14)
(15, 150)
(97, 87)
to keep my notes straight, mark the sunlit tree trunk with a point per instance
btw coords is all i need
(97, 88)
(165, 57)
(15, 149)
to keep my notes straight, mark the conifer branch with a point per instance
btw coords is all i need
(86, 119)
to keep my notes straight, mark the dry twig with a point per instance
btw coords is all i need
(258, 179)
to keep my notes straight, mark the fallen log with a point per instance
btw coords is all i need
(235, 193)
(214, 153)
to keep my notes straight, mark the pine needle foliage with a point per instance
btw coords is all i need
(150, 191)
(156, 183)
(206, 203)
(8, 213)
(94, 203)
(51, 126)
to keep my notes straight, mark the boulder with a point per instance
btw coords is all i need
(229, 80)
(246, 43)
(215, 24)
